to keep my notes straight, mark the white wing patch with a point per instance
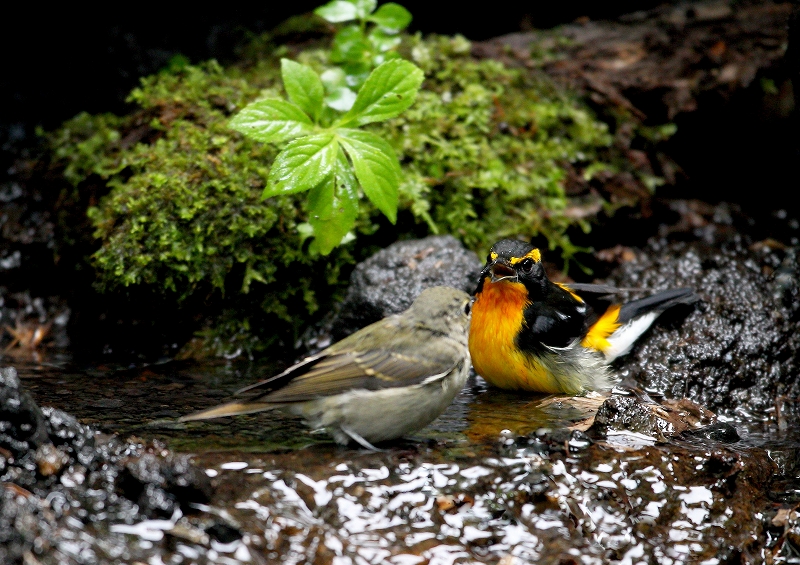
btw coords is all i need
(623, 339)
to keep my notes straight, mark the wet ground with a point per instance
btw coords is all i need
(499, 478)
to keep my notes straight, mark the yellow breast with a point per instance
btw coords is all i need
(497, 317)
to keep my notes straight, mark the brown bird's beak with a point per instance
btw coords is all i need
(502, 271)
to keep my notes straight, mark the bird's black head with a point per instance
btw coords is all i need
(514, 261)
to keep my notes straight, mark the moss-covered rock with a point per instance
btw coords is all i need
(486, 153)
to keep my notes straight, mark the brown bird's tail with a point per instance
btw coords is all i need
(230, 409)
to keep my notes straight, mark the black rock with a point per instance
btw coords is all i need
(389, 281)
(718, 431)
(22, 424)
(629, 413)
(224, 533)
(58, 472)
(160, 484)
(739, 347)
(23, 525)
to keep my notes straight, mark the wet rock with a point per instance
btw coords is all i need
(558, 440)
(223, 533)
(23, 525)
(632, 413)
(578, 441)
(389, 281)
(719, 431)
(160, 484)
(63, 480)
(627, 413)
(738, 350)
(50, 460)
(22, 425)
(65, 431)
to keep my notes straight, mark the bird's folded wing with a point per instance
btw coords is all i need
(371, 370)
(281, 379)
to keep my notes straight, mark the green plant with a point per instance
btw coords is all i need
(355, 48)
(325, 152)
(486, 152)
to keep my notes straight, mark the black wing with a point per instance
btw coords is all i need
(659, 302)
(555, 321)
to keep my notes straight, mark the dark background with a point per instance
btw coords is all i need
(63, 60)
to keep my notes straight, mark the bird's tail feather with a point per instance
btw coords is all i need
(659, 302)
(230, 409)
(637, 316)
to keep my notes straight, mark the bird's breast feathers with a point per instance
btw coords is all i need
(498, 316)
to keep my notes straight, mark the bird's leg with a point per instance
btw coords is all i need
(360, 440)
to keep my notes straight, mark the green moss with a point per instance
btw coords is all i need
(485, 148)
(485, 152)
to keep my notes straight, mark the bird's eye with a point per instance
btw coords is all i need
(526, 265)
(467, 308)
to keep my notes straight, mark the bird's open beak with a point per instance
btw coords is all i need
(502, 272)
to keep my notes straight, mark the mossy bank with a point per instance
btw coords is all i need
(173, 195)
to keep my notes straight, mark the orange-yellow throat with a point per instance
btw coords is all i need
(497, 317)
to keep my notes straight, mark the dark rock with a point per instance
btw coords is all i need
(389, 281)
(578, 441)
(545, 441)
(628, 413)
(160, 484)
(22, 425)
(23, 525)
(719, 431)
(64, 430)
(56, 473)
(223, 533)
(50, 460)
(636, 413)
(739, 348)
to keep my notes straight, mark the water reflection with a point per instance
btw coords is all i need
(490, 481)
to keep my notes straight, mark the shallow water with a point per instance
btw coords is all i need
(495, 479)
(146, 401)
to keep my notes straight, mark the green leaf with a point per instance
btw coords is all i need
(381, 58)
(303, 86)
(350, 46)
(303, 164)
(341, 99)
(272, 120)
(333, 206)
(340, 188)
(364, 7)
(388, 90)
(339, 96)
(383, 41)
(392, 17)
(357, 73)
(376, 167)
(333, 78)
(337, 11)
